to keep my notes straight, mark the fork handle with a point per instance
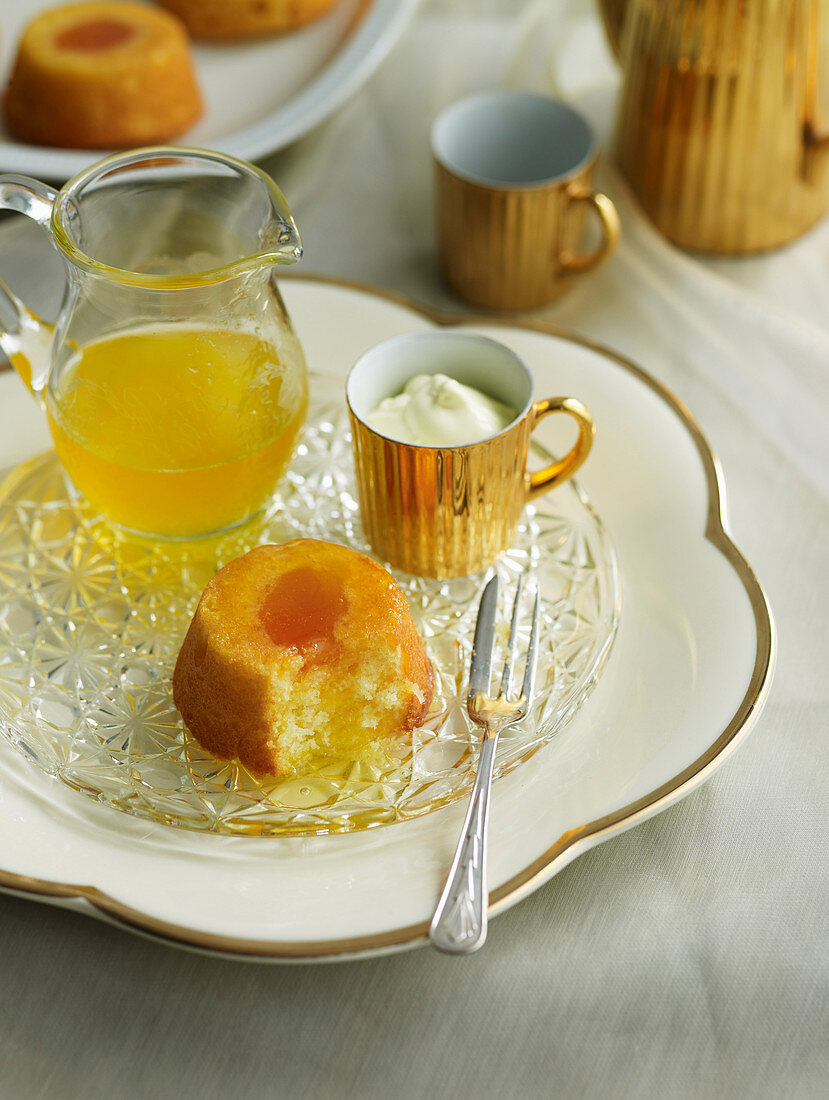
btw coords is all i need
(460, 921)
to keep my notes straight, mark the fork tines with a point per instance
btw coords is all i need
(481, 664)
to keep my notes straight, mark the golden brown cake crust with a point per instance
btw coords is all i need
(228, 19)
(242, 696)
(99, 75)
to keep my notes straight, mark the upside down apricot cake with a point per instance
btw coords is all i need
(298, 653)
(99, 75)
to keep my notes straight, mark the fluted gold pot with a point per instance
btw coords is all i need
(513, 184)
(723, 114)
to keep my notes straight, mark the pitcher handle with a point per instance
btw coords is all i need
(24, 337)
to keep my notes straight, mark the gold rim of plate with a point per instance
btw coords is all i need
(566, 847)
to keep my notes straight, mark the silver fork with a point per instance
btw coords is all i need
(459, 925)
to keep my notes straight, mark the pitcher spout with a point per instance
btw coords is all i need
(283, 244)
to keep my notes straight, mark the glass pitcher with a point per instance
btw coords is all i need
(173, 381)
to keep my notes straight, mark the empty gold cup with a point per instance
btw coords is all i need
(449, 511)
(513, 175)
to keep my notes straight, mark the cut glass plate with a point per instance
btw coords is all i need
(91, 622)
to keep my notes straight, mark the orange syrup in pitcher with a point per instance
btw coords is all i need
(178, 432)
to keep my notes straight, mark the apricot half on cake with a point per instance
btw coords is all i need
(100, 75)
(299, 653)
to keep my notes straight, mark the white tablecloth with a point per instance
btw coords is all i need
(688, 957)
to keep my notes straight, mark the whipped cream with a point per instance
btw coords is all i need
(436, 411)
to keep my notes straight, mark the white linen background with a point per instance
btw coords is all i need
(688, 957)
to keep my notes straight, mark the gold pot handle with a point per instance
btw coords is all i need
(613, 16)
(816, 151)
(610, 229)
(558, 472)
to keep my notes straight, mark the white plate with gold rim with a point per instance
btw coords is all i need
(259, 95)
(687, 676)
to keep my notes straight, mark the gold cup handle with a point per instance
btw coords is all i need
(610, 229)
(557, 472)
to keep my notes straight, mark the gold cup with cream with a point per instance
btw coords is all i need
(441, 424)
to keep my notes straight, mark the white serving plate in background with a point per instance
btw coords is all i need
(259, 94)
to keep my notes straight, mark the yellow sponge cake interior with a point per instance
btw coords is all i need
(298, 653)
